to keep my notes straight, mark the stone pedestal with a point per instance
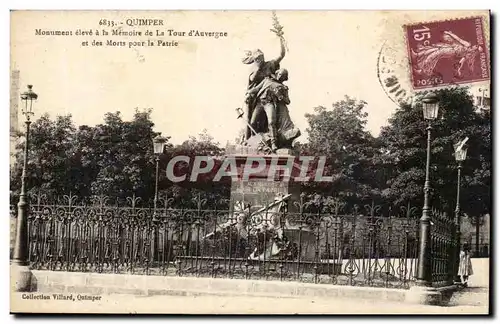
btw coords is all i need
(259, 190)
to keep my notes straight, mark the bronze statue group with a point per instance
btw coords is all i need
(267, 100)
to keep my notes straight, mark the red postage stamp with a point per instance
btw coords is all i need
(447, 52)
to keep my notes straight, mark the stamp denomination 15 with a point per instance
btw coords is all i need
(447, 52)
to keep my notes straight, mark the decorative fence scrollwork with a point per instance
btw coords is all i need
(324, 242)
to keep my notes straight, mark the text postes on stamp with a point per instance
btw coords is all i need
(447, 52)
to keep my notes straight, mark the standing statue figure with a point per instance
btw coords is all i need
(272, 100)
(267, 98)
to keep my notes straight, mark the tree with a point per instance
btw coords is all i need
(185, 193)
(477, 190)
(114, 159)
(405, 139)
(52, 167)
(122, 156)
(339, 135)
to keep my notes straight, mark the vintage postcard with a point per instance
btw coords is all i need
(250, 162)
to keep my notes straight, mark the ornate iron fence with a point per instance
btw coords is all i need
(444, 248)
(327, 243)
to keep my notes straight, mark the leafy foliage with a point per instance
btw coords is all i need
(405, 139)
(339, 135)
(121, 157)
(52, 167)
(116, 159)
(186, 193)
(113, 159)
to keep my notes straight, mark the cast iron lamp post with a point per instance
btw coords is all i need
(424, 270)
(20, 272)
(460, 155)
(158, 147)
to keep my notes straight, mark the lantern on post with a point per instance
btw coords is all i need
(159, 145)
(430, 106)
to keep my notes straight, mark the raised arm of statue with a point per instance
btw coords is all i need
(278, 30)
(283, 49)
(457, 39)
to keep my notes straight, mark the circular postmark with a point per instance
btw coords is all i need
(392, 74)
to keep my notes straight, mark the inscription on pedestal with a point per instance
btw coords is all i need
(259, 190)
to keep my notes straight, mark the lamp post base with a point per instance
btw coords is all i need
(424, 296)
(21, 278)
(430, 295)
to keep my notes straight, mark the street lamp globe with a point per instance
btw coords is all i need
(461, 150)
(28, 97)
(431, 106)
(159, 144)
(461, 154)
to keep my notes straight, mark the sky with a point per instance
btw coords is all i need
(199, 84)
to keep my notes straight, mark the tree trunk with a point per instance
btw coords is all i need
(478, 217)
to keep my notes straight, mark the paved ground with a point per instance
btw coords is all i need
(241, 305)
(477, 292)
(472, 300)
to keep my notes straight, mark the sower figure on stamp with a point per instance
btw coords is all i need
(452, 47)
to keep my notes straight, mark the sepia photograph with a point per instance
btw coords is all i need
(245, 162)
